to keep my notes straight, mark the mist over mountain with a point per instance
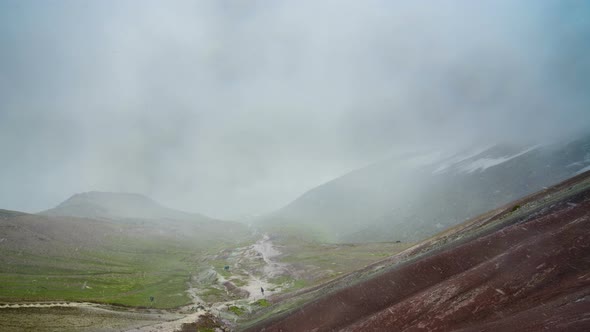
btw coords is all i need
(412, 197)
(97, 222)
(108, 205)
(142, 215)
(352, 165)
(233, 109)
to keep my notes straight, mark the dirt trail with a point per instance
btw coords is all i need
(172, 320)
(103, 316)
(265, 248)
(49, 305)
(170, 326)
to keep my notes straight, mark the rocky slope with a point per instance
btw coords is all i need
(525, 266)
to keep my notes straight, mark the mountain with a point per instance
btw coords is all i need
(49, 235)
(521, 267)
(417, 196)
(114, 206)
(108, 248)
(142, 215)
(111, 221)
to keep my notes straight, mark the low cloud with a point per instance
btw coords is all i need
(235, 108)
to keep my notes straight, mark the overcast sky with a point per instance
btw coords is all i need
(232, 108)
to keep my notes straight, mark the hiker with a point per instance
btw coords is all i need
(262, 290)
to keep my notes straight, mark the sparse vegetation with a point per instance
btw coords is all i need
(322, 262)
(130, 284)
(239, 282)
(128, 274)
(212, 294)
(238, 311)
(261, 303)
(206, 323)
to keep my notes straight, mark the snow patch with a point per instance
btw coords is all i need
(457, 158)
(484, 163)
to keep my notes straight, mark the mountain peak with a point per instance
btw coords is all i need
(116, 205)
(106, 197)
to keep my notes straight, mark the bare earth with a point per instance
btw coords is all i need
(524, 267)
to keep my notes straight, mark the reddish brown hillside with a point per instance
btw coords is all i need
(524, 267)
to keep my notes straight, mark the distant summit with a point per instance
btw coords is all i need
(113, 206)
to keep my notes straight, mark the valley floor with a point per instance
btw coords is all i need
(227, 286)
(63, 315)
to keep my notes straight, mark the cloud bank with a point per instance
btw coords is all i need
(234, 108)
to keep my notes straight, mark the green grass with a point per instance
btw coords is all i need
(263, 303)
(128, 276)
(212, 294)
(298, 284)
(126, 266)
(161, 276)
(239, 282)
(238, 311)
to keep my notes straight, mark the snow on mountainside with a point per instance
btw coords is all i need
(414, 197)
(455, 159)
(484, 163)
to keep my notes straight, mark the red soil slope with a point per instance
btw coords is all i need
(524, 267)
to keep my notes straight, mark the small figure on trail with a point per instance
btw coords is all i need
(151, 299)
(262, 290)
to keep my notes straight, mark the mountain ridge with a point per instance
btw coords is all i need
(433, 191)
(487, 272)
(117, 206)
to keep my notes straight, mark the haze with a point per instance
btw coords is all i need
(235, 108)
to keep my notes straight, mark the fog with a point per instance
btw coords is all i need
(235, 108)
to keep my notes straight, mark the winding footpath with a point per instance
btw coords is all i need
(262, 248)
(172, 320)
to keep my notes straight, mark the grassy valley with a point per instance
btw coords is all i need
(62, 258)
(173, 263)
